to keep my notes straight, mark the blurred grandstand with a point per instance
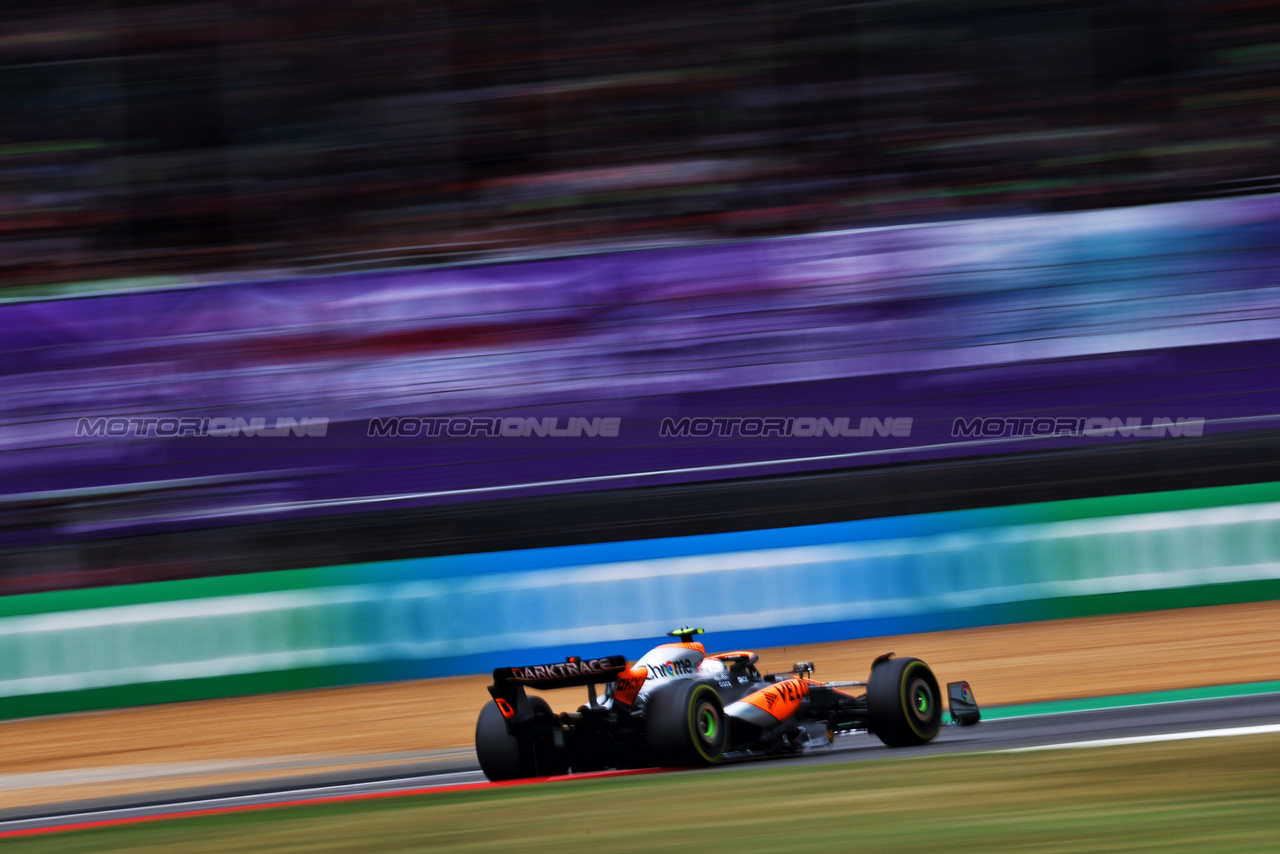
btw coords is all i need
(162, 139)
(917, 208)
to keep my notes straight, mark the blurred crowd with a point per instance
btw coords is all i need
(221, 136)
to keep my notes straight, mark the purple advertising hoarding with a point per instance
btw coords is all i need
(873, 346)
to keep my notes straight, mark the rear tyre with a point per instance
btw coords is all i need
(504, 756)
(903, 702)
(685, 724)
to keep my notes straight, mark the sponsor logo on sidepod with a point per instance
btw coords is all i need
(782, 698)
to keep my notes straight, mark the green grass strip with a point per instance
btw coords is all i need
(1219, 795)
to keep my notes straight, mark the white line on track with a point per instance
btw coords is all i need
(1148, 739)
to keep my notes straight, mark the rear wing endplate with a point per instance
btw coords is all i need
(509, 683)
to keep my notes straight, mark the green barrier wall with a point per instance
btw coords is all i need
(77, 650)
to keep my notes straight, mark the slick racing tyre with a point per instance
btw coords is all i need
(504, 756)
(685, 724)
(903, 702)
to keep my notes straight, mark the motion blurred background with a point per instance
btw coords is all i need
(148, 139)
(904, 209)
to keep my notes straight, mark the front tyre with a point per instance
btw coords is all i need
(903, 702)
(685, 724)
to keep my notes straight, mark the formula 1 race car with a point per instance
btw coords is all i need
(679, 706)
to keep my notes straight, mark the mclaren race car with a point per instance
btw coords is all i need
(679, 706)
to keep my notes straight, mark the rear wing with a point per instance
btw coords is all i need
(509, 683)
(565, 674)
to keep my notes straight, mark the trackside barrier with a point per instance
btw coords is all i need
(448, 615)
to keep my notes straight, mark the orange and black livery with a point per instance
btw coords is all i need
(679, 705)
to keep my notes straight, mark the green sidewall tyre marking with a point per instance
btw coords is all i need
(909, 714)
(707, 725)
(695, 714)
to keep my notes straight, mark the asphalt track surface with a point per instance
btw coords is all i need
(1067, 728)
